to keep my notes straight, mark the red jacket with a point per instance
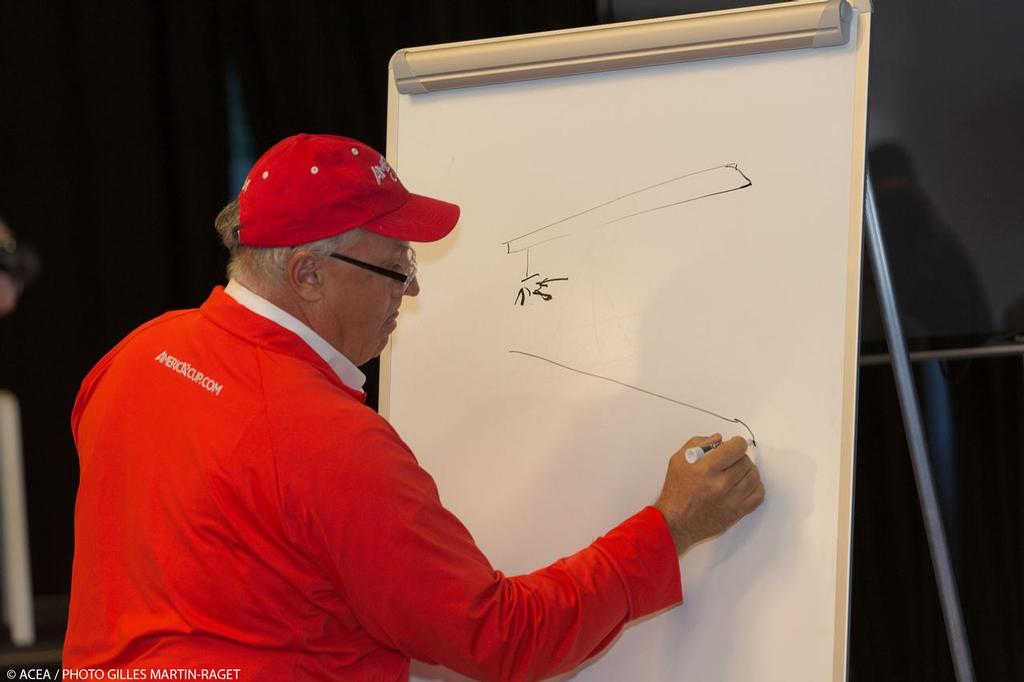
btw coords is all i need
(239, 507)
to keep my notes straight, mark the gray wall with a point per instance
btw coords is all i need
(947, 83)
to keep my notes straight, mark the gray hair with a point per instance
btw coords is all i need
(252, 266)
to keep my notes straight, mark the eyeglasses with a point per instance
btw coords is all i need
(405, 279)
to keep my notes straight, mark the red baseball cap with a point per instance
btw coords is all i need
(310, 187)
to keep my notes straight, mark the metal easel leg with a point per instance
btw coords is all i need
(15, 569)
(930, 511)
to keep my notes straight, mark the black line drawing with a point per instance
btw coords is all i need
(672, 192)
(539, 287)
(675, 191)
(733, 420)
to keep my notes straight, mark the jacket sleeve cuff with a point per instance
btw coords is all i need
(644, 556)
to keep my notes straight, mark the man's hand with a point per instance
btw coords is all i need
(704, 499)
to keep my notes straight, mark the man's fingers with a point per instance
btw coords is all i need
(727, 454)
(753, 500)
(714, 438)
(747, 483)
(737, 473)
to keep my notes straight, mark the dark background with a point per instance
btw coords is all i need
(126, 125)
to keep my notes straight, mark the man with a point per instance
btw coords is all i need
(240, 507)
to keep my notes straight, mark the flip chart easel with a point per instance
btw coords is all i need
(661, 231)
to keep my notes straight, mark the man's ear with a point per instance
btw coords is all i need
(304, 276)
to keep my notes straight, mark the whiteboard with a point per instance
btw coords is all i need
(639, 251)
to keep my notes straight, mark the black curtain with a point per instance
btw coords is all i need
(321, 66)
(990, 466)
(112, 163)
(896, 630)
(896, 626)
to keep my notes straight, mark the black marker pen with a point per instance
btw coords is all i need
(697, 452)
(694, 454)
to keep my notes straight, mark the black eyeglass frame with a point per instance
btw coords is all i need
(405, 278)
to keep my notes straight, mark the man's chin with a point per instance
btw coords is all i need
(382, 346)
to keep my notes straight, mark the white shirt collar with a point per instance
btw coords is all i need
(341, 365)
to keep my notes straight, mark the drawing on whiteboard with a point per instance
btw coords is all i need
(732, 420)
(536, 287)
(675, 191)
(539, 285)
(681, 189)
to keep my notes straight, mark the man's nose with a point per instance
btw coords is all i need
(414, 287)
